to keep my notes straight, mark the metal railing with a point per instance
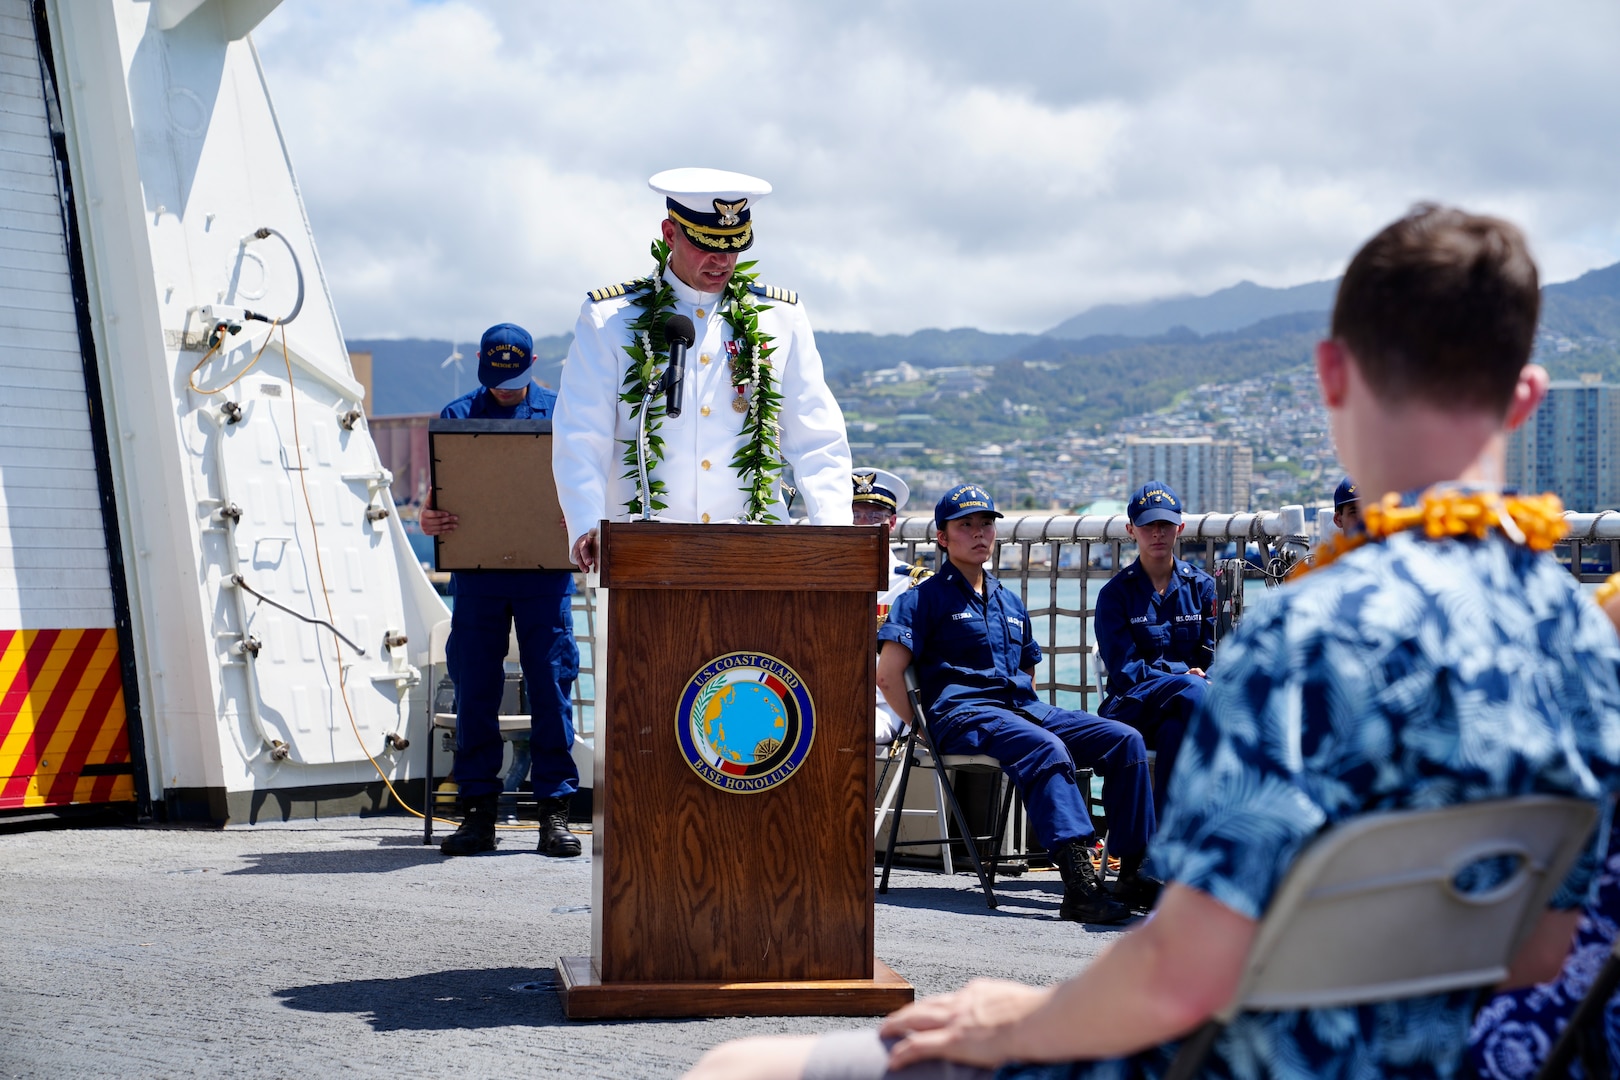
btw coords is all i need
(1057, 562)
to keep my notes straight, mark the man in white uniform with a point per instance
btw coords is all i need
(877, 500)
(754, 395)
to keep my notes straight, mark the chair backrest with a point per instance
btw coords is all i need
(1373, 910)
(438, 639)
(919, 715)
(432, 705)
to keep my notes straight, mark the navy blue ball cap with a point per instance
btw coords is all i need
(1345, 493)
(505, 356)
(962, 500)
(1154, 501)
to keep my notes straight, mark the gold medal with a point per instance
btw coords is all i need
(739, 404)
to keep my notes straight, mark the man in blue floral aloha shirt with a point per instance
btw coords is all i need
(1410, 672)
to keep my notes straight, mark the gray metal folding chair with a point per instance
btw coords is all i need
(1373, 910)
(927, 756)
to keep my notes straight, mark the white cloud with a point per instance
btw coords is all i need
(935, 164)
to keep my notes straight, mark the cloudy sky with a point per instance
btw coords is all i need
(936, 164)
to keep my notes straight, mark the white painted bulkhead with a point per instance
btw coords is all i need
(53, 547)
(177, 160)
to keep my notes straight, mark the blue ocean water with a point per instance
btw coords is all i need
(1063, 628)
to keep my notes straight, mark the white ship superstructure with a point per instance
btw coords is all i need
(200, 560)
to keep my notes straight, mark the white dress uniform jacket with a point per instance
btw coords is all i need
(592, 427)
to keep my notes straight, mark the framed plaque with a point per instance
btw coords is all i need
(496, 476)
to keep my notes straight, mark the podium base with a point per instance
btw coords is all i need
(586, 997)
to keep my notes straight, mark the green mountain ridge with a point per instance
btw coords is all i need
(977, 385)
(1053, 386)
(1231, 308)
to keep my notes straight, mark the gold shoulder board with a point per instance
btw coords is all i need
(608, 292)
(775, 292)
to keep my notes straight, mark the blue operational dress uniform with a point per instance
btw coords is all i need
(1148, 641)
(1408, 673)
(970, 652)
(487, 607)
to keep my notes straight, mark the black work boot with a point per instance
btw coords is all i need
(1134, 889)
(555, 839)
(1084, 898)
(476, 832)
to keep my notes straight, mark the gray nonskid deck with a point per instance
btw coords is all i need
(299, 949)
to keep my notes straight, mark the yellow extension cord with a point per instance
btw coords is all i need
(331, 617)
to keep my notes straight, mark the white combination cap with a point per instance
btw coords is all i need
(882, 488)
(713, 207)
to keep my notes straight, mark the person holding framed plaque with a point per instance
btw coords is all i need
(487, 606)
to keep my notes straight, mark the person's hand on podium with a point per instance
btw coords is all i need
(584, 553)
(435, 522)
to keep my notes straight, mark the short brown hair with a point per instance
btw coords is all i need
(1441, 306)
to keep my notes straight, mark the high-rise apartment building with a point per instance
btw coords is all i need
(1211, 475)
(1570, 446)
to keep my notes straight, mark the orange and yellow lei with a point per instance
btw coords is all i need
(1608, 590)
(1535, 521)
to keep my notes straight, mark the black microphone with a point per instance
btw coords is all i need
(680, 335)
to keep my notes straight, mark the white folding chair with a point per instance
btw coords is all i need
(1373, 909)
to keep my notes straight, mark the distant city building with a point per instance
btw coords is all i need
(402, 447)
(1570, 446)
(360, 364)
(1211, 475)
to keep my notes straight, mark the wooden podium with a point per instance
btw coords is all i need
(739, 882)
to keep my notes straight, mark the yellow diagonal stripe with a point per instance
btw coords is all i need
(73, 717)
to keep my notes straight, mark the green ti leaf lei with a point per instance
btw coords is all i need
(759, 462)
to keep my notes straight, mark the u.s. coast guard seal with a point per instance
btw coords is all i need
(745, 722)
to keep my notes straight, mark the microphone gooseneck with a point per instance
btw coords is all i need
(679, 333)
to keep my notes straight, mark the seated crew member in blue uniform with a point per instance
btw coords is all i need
(1346, 507)
(1155, 627)
(975, 654)
(487, 606)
